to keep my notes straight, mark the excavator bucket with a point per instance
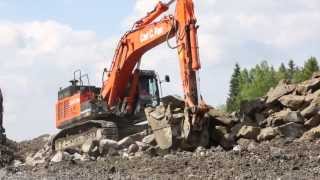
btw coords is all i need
(160, 126)
(171, 126)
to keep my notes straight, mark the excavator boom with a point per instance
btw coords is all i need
(148, 34)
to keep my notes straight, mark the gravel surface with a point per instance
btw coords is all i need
(279, 159)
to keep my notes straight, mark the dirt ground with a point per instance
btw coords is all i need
(279, 159)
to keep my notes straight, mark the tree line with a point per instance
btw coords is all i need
(248, 84)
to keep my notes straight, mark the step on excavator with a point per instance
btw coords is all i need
(130, 96)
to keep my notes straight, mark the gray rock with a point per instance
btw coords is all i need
(291, 130)
(221, 137)
(58, 157)
(283, 117)
(220, 117)
(259, 117)
(250, 107)
(113, 152)
(150, 139)
(248, 132)
(267, 133)
(283, 88)
(105, 144)
(294, 102)
(312, 109)
(294, 116)
(125, 142)
(142, 146)
(76, 156)
(89, 146)
(277, 152)
(17, 163)
(133, 148)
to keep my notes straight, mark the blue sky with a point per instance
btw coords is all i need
(42, 42)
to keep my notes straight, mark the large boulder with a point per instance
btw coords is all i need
(283, 88)
(283, 117)
(312, 109)
(126, 142)
(133, 148)
(219, 117)
(106, 144)
(293, 102)
(251, 107)
(90, 146)
(291, 130)
(248, 132)
(220, 136)
(267, 133)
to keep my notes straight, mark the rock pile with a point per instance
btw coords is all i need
(128, 147)
(288, 110)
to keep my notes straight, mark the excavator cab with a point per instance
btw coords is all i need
(149, 95)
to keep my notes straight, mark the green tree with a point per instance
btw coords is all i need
(282, 72)
(233, 101)
(310, 66)
(291, 69)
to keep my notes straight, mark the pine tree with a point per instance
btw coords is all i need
(233, 102)
(310, 67)
(291, 70)
(282, 72)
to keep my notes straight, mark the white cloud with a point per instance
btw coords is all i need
(38, 58)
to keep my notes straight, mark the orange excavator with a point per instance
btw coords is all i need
(120, 106)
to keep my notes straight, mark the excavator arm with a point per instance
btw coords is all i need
(147, 34)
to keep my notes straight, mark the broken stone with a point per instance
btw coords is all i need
(105, 144)
(259, 117)
(312, 134)
(250, 107)
(133, 148)
(313, 121)
(58, 157)
(237, 148)
(291, 130)
(292, 101)
(89, 146)
(113, 152)
(312, 84)
(243, 142)
(312, 109)
(142, 146)
(276, 152)
(283, 88)
(284, 116)
(77, 156)
(220, 117)
(16, 163)
(248, 132)
(125, 142)
(150, 139)
(267, 133)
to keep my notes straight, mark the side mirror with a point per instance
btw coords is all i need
(167, 78)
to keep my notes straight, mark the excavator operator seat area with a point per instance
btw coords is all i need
(148, 89)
